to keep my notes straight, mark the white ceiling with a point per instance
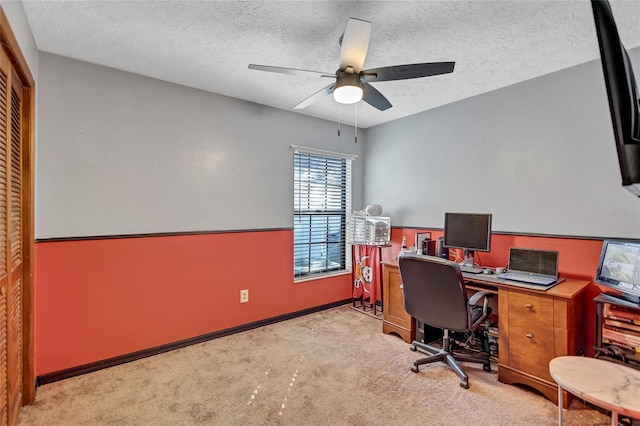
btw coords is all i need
(209, 44)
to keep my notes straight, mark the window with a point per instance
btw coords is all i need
(322, 202)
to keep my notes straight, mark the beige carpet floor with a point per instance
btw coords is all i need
(333, 367)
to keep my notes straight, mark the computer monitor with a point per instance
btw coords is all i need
(468, 231)
(619, 268)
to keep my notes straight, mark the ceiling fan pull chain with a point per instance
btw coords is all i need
(339, 111)
(356, 123)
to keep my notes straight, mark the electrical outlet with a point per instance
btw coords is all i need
(244, 296)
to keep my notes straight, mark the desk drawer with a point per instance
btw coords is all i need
(531, 349)
(530, 310)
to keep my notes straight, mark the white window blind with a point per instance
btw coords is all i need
(322, 203)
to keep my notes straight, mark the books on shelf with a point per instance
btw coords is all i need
(621, 327)
(620, 345)
(622, 313)
(622, 336)
(621, 324)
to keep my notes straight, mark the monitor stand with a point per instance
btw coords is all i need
(467, 264)
(468, 258)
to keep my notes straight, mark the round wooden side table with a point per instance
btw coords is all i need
(607, 384)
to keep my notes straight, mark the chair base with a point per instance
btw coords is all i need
(451, 358)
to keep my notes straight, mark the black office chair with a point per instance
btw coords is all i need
(434, 293)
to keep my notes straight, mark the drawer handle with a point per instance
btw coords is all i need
(529, 336)
(528, 306)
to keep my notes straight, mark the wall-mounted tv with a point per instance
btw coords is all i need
(623, 95)
(619, 268)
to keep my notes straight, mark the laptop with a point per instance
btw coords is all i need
(532, 266)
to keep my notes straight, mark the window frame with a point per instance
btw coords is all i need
(310, 160)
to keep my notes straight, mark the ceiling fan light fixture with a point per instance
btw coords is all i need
(347, 94)
(348, 89)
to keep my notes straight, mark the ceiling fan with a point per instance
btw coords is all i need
(351, 81)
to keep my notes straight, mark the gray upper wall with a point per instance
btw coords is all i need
(120, 154)
(539, 155)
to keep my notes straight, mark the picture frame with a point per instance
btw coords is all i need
(420, 237)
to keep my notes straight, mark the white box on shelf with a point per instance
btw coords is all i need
(371, 230)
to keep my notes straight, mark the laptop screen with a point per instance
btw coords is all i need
(543, 262)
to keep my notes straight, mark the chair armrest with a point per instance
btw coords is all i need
(473, 300)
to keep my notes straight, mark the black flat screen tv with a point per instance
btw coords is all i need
(622, 93)
(619, 269)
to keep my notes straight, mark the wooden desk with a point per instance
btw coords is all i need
(535, 325)
(395, 319)
(609, 385)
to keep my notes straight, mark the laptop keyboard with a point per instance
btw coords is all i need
(531, 279)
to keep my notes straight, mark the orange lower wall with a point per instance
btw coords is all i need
(578, 258)
(97, 299)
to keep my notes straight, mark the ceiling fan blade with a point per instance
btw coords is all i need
(374, 98)
(316, 96)
(403, 72)
(290, 71)
(355, 43)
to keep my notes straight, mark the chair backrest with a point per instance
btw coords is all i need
(434, 292)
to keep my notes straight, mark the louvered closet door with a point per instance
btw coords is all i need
(10, 243)
(5, 120)
(14, 248)
(16, 228)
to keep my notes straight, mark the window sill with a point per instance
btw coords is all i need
(320, 276)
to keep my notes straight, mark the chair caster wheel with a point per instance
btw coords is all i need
(414, 368)
(487, 367)
(413, 348)
(464, 385)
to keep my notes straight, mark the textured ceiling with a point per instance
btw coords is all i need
(209, 44)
